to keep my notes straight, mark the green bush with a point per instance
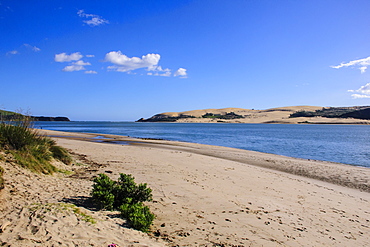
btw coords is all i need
(126, 196)
(126, 189)
(102, 192)
(138, 215)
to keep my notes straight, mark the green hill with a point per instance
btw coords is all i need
(9, 116)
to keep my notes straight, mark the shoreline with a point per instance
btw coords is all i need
(309, 156)
(328, 171)
(349, 122)
(203, 195)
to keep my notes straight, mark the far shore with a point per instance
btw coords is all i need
(203, 195)
(280, 115)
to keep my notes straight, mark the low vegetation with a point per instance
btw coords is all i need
(230, 115)
(127, 197)
(68, 208)
(164, 118)
(357, 112)
(11, 116)
(29, 149)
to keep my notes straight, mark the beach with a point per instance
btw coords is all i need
(203, 195)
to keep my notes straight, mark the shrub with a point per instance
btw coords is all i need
(126, 196)
(138, 215)
(126, 189)
(102, 192)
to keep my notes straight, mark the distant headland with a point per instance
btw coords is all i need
(281, 115)
(9, 115)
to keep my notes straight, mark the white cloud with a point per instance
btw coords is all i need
(158, 68)
(33, 48)
(125, 64)
(166, 74)
(360, 96)
(363, 63)
(14, 52)
(76, 66)
(95, 19)
(91, 72)
(73, 67)
(181, 72)
(82, 63)
(90, 55)
(63, 57)
(364, 92)
(363, 89)
(159, 71)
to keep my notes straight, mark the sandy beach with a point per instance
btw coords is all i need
(202, 196)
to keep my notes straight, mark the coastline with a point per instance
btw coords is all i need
(332, 172)
(203, 195)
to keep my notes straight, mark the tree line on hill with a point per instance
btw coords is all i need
(13, 116)
(357, 112)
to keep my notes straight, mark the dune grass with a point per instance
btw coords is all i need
(30, 149)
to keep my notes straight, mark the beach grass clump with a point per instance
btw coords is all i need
(61, 154)
(126, 196)
(31, 150)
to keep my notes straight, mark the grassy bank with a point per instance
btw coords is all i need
(29, 149)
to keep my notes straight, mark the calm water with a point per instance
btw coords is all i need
(349, 144)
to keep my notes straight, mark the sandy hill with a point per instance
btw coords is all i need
(273, 115)
(239, 111)
(282, 115)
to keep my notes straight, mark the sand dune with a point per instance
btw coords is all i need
(203, 196)
(279, 115)
(241, 111)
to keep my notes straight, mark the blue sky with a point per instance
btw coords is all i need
(123, 60)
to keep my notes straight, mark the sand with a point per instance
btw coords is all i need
(274, 115)
(203, 196)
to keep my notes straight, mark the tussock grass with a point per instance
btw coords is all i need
(30, 149)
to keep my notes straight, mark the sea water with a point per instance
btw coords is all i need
(349, 144)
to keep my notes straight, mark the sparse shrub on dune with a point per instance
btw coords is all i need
(138, 215)
(126, 196)
(102, 192)
(127, 191)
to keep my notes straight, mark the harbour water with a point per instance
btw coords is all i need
(348, 144)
